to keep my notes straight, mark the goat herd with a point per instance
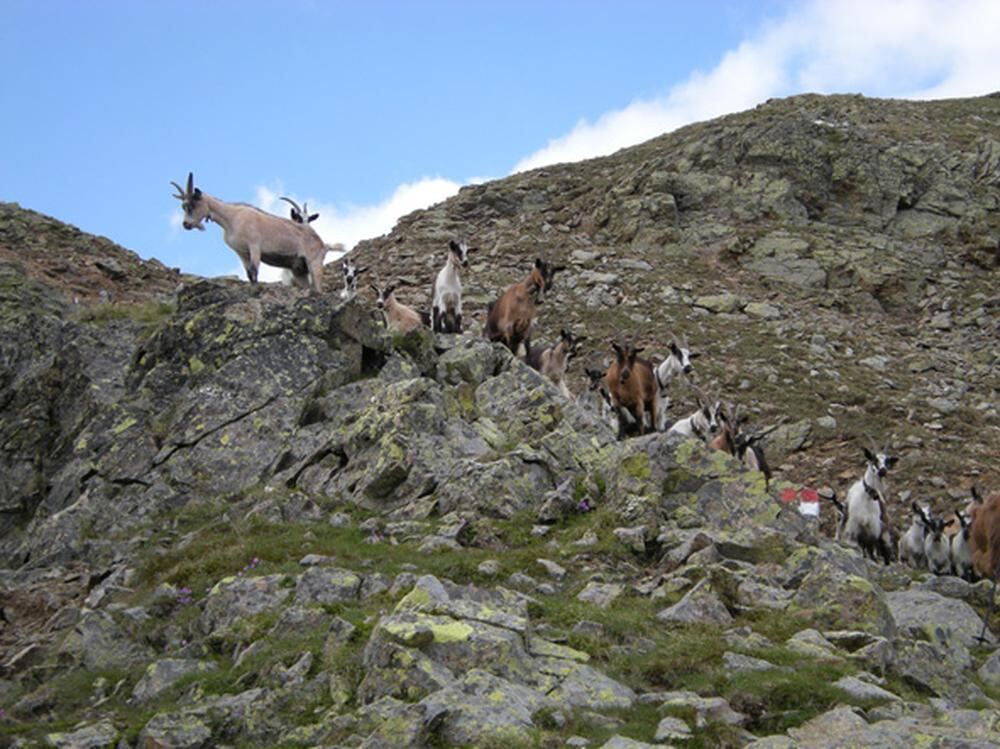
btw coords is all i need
(633, 390)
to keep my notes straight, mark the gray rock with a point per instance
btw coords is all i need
(862, 690)
(102, 735)
(235, 598)
(699, 606)
(601, 595)
(556, 571)
(720, 303)
(989, 672)
(176, 730)
(950, 624)
(672, 729)
(163, 674)
(744, 663)
(98, 643)
(327, 585)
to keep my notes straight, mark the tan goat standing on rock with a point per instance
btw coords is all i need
(258, 237)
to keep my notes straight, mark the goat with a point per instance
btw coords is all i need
(350, 272)
(984, 536)
(911, 545)
(838, 532)
(632, 385)
(300, 215)
(397, 316)
(745, 447)
(257, 237)
(703, 423)
(937, 548)
(961, 550)
(866, 523)
(678, 362)
(512, 315)
(608, 414)
(552, 361)
(446, 311)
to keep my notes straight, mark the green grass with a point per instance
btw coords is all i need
(147, 313)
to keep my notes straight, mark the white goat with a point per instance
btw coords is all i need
(703, 423)
(911, 544)
(446, 312)
(937, 546)
(961, 550)
(257, 237)
(678, 362)
(867, 524)
(351, 273)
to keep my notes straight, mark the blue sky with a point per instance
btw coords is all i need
(370, 109)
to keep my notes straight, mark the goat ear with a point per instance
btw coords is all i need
(616, 347)
(539, 263)
(453, 245)
(891, 460)
(869, 455)
(694, 354)
(197, 194)
(638, 350)
(313, 217)
(674, 350)
(359, 271)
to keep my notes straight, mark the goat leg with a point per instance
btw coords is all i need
(989, 609)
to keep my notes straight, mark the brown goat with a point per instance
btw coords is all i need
(743, 446)
(984, 537)
(632, 385)
(511, 317)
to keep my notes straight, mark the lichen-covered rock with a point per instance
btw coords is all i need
(948, 623)
(102, 735)
(580, 686)
(485, 709)
(98, 642)
(234, 598)
(175, 731)
(327, 585)
(162, 674)
(837, 594)
(700, 605)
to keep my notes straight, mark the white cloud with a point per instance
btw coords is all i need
(900, 48)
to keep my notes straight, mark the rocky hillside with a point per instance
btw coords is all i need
(237, 517)
(834, 258)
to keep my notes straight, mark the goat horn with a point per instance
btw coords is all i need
(293, 203)
(180, 193)
(190, 190)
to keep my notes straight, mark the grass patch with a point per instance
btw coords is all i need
(148, 314)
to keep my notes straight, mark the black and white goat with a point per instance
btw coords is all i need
(350, 272)
(678, 362)
(937, 546)
(867, 523)
(911, 544)
(300, 215)
(446, 313)
(704, 423)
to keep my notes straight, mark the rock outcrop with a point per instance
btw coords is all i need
(237, 516)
